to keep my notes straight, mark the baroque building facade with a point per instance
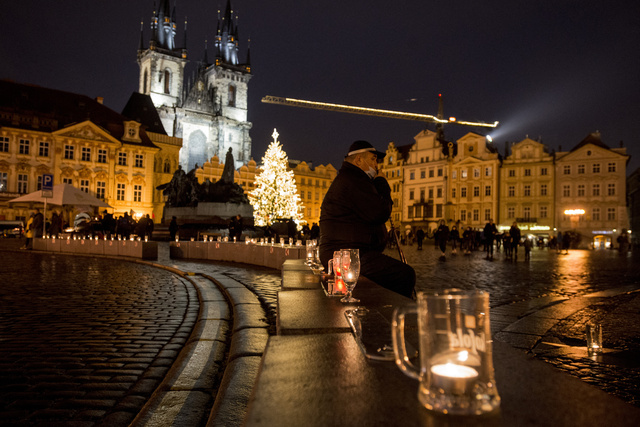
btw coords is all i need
(208, 111)
(79, 141)
(527, 188)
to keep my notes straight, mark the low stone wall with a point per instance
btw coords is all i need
(271, 256)
(127, 248)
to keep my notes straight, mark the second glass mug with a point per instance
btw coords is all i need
(336, 285)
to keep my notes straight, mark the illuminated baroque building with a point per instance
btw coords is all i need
(473, 181)
(527, 189)
(312, 184)
(425, 188)
(81, 142)
(208, 110)
(591, 191)
(392, 168)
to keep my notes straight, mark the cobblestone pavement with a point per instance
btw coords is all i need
(86, 341)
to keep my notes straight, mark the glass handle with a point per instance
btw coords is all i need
(399, 347)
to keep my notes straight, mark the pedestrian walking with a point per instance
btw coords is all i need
(490, 232)
(454, 236)
(515, 234)
(528, 244)
(419, 238)
(467, 240)
(442, 237)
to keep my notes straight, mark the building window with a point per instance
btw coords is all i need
(439, 192)
(317, 195)
(167, 168)
(101, 189)
(24, 147)
(476, 215)
(544, 171)
(463, 215)
(454, 174)
(526, 213)
(595, 189)
(23, 183)
(232, 96)
(84, 185)
(137, 193)
(68, 152)
(596, 168)
(410, 212)
(612, 167)
(453, 193)
(422, 174)
(581, 190)
(43, 150)
(417, 211)
(86, 154)
(595, 214)
(440, 172)
(567, 169)
(487, 214)
(611, 189)
(487, 171)
(422, 194)
(167, 81)
(309, 195)
(438, 211)
(476, 191)
(411, 194)
(463, 192)
(67, 181)
(3, 182)
(463, 174)
(611, 214)
(120, 192)
(431, 173)
(476, 173)
(4, 144)
(566, 191)
(122, 159)
(139, 161)
(511, 191)
(543, 212)
(39, 183)
(487, 190)
(512, 173)
(412, 175)
(580, 169)
(511, 212)
(102, 156)
(543, 189)
(527, 190)
(527, 172)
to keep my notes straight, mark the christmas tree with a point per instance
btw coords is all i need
(276, 195)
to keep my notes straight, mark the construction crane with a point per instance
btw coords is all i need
(438, 120)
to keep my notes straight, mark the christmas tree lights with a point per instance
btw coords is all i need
(275, 196)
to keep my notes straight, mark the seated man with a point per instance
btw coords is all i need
(354, 212)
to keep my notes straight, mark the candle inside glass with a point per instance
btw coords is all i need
(453, 378)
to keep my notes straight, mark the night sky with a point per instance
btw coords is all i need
(555, 70)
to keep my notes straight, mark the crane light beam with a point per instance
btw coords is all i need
(292, 102)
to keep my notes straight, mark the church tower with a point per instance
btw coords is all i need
(208, 110)
(162, 64)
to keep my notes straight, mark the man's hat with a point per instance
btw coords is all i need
(362, 147)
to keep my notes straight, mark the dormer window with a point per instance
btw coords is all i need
(132, 131)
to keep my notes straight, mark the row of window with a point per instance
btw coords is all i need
(476, 173)
(302, 193)
(528, 172)
(309, 181)
(24, 147)
(595, 168)
(100, 190)
(425, 211)
(596, 213)
(423, 173)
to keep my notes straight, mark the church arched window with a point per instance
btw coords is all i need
(167, 81)
(145, 82)
(167, 167)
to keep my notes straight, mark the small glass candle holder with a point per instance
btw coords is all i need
(594, 339)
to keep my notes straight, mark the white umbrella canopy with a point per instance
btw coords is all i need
(63, 195)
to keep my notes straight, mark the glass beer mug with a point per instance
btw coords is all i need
(456, 361)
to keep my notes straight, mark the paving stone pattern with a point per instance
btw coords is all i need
(86, 341)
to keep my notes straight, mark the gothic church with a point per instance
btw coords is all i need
(209, 109)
